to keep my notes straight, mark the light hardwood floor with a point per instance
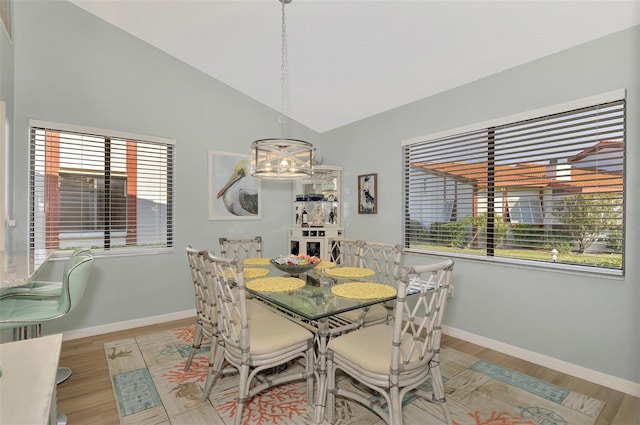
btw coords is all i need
(87, 398)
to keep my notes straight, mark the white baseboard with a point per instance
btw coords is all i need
(128, 324)
(610, 381)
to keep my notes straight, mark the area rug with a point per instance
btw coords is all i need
(151, 387)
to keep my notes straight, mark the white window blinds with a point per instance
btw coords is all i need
(548, 189)
(99, 189)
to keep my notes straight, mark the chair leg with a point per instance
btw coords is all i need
(330, 398)
(243, 393)
(395, 408)
(216, 361)
(195, 345)
(438, 391)
(20, 333)
(310, 376)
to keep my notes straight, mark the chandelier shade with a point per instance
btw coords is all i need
(281, 158)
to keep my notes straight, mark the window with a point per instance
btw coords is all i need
(98, 188)
(83, 200)
(525, 210)
(543, 188)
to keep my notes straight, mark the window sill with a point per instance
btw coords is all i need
(529, 265)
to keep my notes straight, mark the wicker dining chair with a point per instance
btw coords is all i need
(255, 346)
(241, 248)
(384, 259)
(205, 299)
(205, 304)
(345, 252)
(394, 360)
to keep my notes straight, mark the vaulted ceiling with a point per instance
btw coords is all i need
(351, 59)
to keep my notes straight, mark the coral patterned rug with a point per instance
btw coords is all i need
(151, 387)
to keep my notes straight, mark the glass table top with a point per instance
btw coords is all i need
(315, 300)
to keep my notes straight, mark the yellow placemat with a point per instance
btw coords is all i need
(256, 261)
(251, 272)
(363, 290)
(350, 272)
(275, 284)
(326, 265)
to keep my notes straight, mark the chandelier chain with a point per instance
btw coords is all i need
(281, 158)
(283, 57)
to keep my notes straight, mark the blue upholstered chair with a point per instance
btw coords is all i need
(39, 289)
(18, 311)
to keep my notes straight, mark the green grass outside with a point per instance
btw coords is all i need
(609, 261)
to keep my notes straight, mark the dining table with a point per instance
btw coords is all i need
(317, 305)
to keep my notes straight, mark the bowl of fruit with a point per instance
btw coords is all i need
(295, 264)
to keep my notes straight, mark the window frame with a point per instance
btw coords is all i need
(167, 242)
(612, 96)
(3, 170)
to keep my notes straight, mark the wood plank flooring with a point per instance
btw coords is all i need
(87, 398)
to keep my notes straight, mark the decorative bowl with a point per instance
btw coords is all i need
(315, 196)
(293, 269)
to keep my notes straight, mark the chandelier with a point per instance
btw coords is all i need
(282, 158)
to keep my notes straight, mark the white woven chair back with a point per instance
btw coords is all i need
(383, 258)
(417, 327)
(345, 252)
(228, 278)
(205, 299)
(241, 248)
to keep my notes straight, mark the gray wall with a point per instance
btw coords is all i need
(71, 67)
(6, 94)
(74, 68)
(586, 320)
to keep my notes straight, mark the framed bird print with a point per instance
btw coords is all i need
(233, 193)
(368, 194)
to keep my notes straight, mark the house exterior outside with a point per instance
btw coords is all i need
(525, 193)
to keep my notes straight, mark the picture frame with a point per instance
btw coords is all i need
(368, 193)
(233, 193)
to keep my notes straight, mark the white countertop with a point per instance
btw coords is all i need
(16, 268)
(28, 381)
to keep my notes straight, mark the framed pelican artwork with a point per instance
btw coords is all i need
(368, 194)
(233, 193)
